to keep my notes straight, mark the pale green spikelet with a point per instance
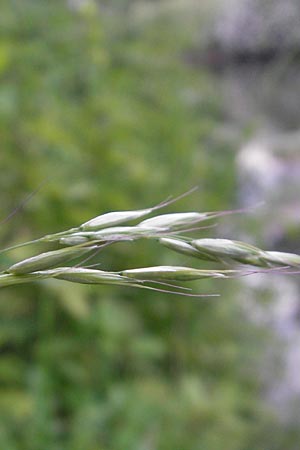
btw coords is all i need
(47, 260)
(174, 221)
(87, 276)
(225, 248)
(113, 218)
(171, 273)
(117, 233)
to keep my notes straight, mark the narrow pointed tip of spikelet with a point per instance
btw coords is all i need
(282, 259)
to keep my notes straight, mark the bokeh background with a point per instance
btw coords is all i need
(118, 104)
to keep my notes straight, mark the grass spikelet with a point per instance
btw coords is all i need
(225, 248)
(174, 221)
(87, 276)
(171, 273)
(118, 217)
(113, 218)
(179, 221)
(117, 233)
(47, 260)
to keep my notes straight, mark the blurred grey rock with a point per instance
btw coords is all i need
(268, 168)
(259, 26)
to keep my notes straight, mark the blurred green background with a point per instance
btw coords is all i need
(98, 103)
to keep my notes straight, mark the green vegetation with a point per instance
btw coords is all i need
(98, 102)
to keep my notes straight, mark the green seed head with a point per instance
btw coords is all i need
(171, 273)
(226, 248)
(87, 276)
(113, 218)
(174, 221)
(47, 260)
(116, 233)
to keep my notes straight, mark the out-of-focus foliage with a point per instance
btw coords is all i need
(96, 100)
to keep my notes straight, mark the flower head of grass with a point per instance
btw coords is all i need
(102, 231)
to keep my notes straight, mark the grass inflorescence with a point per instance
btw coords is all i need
(169, 230)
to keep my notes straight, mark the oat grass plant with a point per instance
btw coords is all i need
(235, 258)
